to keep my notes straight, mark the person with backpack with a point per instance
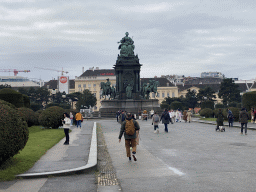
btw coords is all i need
(230, 118)
(155, 121)
(128, 129)
(165, 118)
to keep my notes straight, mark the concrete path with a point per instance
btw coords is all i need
(191, 157)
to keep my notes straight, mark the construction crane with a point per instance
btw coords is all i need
(14, 71)
(53, 70)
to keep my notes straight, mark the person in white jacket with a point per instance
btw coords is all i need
(66, 125)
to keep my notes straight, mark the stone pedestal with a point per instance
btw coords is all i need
(129, 105)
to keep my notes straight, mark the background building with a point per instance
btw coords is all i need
(91, 80)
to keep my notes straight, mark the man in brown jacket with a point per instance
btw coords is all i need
(243, 119)
(130, 140)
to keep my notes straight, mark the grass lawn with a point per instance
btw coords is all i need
(208, 119)
(40, 140)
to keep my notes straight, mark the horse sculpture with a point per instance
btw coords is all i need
(107, 91)
(151, 87)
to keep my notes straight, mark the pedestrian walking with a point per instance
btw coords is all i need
(220, 119)
(230, 118)
(172, 116)
(71, 118)
(117, 115)
(165, 118)
(170, 113)
(155, 122)
(78, 119)
(185, 116)
(66, 125)
(252, 115)
(243, 119)
(189, 115)
(128, 129)
(137, 131)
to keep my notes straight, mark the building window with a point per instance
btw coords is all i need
(89, 88)
(94, 94)
(163, 95)
(94, 85)
(153, 95)
(89, 85)
(84, 85)
(168, 94)
(79, 85)
(173, 94)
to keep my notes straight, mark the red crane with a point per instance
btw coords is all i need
(14, 71)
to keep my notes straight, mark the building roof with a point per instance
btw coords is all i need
(53, 84)
(254, 86)
(243, 87)
(99, 72)
(205, 80)
(215, 87)
(163, 82)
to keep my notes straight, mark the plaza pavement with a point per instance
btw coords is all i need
(150, 173)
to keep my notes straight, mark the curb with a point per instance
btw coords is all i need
(92, 163)
(214, 123)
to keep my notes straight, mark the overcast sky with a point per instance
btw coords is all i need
(183, 37)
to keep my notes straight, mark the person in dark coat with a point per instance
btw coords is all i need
(243, 119)
(165, 118)
(230, 118)
(220, 119)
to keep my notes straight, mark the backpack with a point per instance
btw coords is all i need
(156, 118)
(166, 116)
(129, 127)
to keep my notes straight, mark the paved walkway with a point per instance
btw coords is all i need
(63, 159)
(79, 156)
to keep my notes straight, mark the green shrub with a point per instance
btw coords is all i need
(12, 97)
(249, 99)
(37, 114)
(176, 105)
(26, 100)
(219, 106)
(207, 112)
(35, 106)
(2, 102)
(207, 104)
(27, 115)
(51, 117)
(52, 104)
(164, 106)
(233, 104)
(235, 112)
(13, 133)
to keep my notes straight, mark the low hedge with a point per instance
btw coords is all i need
(207, 112)
(28, 115)
(12, 96)
(13, 132)
(51, 117)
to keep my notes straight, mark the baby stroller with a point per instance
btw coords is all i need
(220, 128)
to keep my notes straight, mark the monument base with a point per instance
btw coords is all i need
(110, 107)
